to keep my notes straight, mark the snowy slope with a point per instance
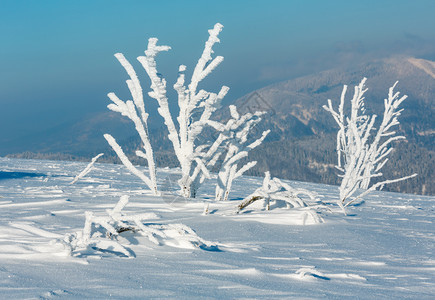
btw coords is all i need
(382, 249)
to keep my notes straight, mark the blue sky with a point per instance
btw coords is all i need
(57, 61)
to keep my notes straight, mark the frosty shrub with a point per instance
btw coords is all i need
(362, 150)
(237, 146)
(102, 233)
(195, 108)
(273, 189)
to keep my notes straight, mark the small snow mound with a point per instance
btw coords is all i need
(310, 273)
(55, 294)
(300, 216)
(245, 272)
(347, 276)
(181, 236)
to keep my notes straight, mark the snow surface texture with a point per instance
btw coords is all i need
(383, 248)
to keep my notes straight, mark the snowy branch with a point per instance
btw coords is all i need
(273, 190)
(87, 169)
(235, 138)
(130, 110)
(112, 142)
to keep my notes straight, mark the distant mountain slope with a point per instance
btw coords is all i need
(304, 133)
(82, 137)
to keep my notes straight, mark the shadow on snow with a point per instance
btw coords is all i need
(18, 175)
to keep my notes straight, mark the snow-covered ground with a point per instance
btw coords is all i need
(382, 249)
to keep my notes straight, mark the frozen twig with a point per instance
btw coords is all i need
(87, 169)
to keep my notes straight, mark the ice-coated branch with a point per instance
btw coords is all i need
(201, 71)
(362, 150)
(236, 131)
(130, 110)
(115, 146)
(378, 152)
(87, 169)
(158, 86)
(376, 185)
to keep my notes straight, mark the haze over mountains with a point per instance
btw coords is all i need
(302, 143)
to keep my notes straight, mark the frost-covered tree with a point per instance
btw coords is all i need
(362, 150)
(195, 107)
(237, 145)
(135, 111)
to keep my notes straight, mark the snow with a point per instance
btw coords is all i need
(383, 248)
